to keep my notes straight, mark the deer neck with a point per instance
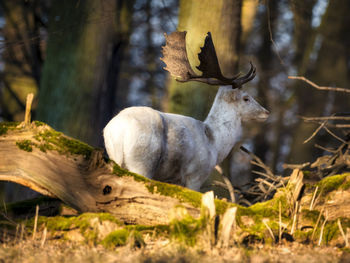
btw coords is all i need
(225, 125)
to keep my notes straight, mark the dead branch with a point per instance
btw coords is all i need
(319, 87)
(315, 132)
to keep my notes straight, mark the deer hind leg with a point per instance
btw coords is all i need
(142, 151)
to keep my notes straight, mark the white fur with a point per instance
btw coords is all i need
(179, 149)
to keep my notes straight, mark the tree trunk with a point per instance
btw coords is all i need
(222, 19)
(86, 40)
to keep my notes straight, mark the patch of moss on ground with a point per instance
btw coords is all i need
(259, 211)
(331, 183)
(121, 237)
(187, 229)
(311, 215)
(68, 222)
(331, 230)
(81, 222)
(25, 145)
(302, 235)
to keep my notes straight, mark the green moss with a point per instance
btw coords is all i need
(182, 194)
(302, 236)
(187, 229)
(25, 145)
(116, 238)
(5, 126)
(84, 223)
(346, 184)
(39, 123)
(331, 230)
(3, 130)
(81, 222)
(221, 206)
(259, 211)
(53, 140)
(121, 237)
(311, 215)
(331, 183)
(268, 211)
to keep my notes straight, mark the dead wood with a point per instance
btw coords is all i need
(55, 165)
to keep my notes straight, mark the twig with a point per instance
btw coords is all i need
(263, 174)
(313, 198)
(322, 228)
(318, 220)
(35, 221)
(280, 222)
(295, 166)
(29, 101)
(335, 136)
(43, 239)
(266, 182)
(230, 189)
(327, 118)
(318, 197)
(270, 33)
(9, 219)
(342, 233)
(340, 126)
(315, 132)
(317, 86)
(22, 232)
(296, 212)
(269, 229)
(325, 149)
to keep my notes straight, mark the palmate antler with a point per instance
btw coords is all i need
(177, 63)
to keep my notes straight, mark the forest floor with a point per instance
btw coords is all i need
(163, 250)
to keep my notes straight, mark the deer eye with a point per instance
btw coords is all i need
(246, 99)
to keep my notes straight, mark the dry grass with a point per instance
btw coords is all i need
(27, 251)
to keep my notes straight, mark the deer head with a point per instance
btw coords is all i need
(177, 63)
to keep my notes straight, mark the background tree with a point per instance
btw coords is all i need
(85, 45)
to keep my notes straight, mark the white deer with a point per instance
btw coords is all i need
(179, 149)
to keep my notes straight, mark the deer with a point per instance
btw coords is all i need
(179, 149)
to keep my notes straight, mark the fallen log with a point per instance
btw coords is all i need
(56, 165)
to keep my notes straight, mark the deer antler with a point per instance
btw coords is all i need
(177, 63)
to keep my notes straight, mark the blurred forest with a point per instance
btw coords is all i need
(87, 60)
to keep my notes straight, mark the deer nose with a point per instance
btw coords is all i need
(264, 114)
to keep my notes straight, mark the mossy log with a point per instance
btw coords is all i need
(58, 166)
